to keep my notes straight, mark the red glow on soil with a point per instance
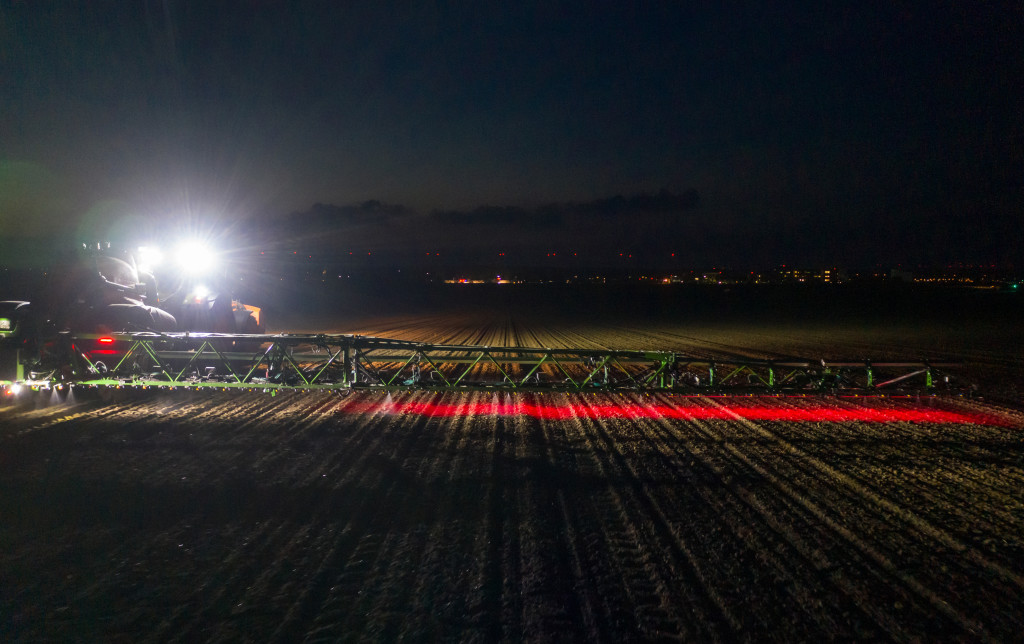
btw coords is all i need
(803, 412)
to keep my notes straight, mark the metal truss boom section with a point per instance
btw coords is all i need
(347, 362)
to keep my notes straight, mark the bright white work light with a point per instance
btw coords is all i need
(195, 258)
(149, 257)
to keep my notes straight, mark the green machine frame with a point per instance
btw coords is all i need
(344, 363)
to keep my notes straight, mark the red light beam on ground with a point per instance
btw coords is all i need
(804, 412)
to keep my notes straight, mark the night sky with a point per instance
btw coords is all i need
(760, 133)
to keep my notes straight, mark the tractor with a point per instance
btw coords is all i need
(102, 291)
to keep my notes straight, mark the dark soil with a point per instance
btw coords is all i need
(309, 518)
(201, 516)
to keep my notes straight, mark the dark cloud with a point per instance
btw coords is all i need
(540, 219)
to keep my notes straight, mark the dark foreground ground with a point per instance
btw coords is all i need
(470, 517)
(308, 518)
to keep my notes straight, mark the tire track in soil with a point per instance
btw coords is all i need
(517, 578)
(412, 565)
(278, 581)
(738, 552)
(432, 580)
(271, 586)
(93, 433)
(879, 493)
(548, 605)
(666, 584)
(938, 544)
(272, 547)
(501, 605)
(659, 459)
(813, 534)
(356, 556)
(365, 462)
(931, 478)
(616, 604)
(797, 567)
(214, 435)
(872, 516)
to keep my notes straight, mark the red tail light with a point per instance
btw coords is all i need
(105, 340)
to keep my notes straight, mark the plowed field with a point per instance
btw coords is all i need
(302, 517)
